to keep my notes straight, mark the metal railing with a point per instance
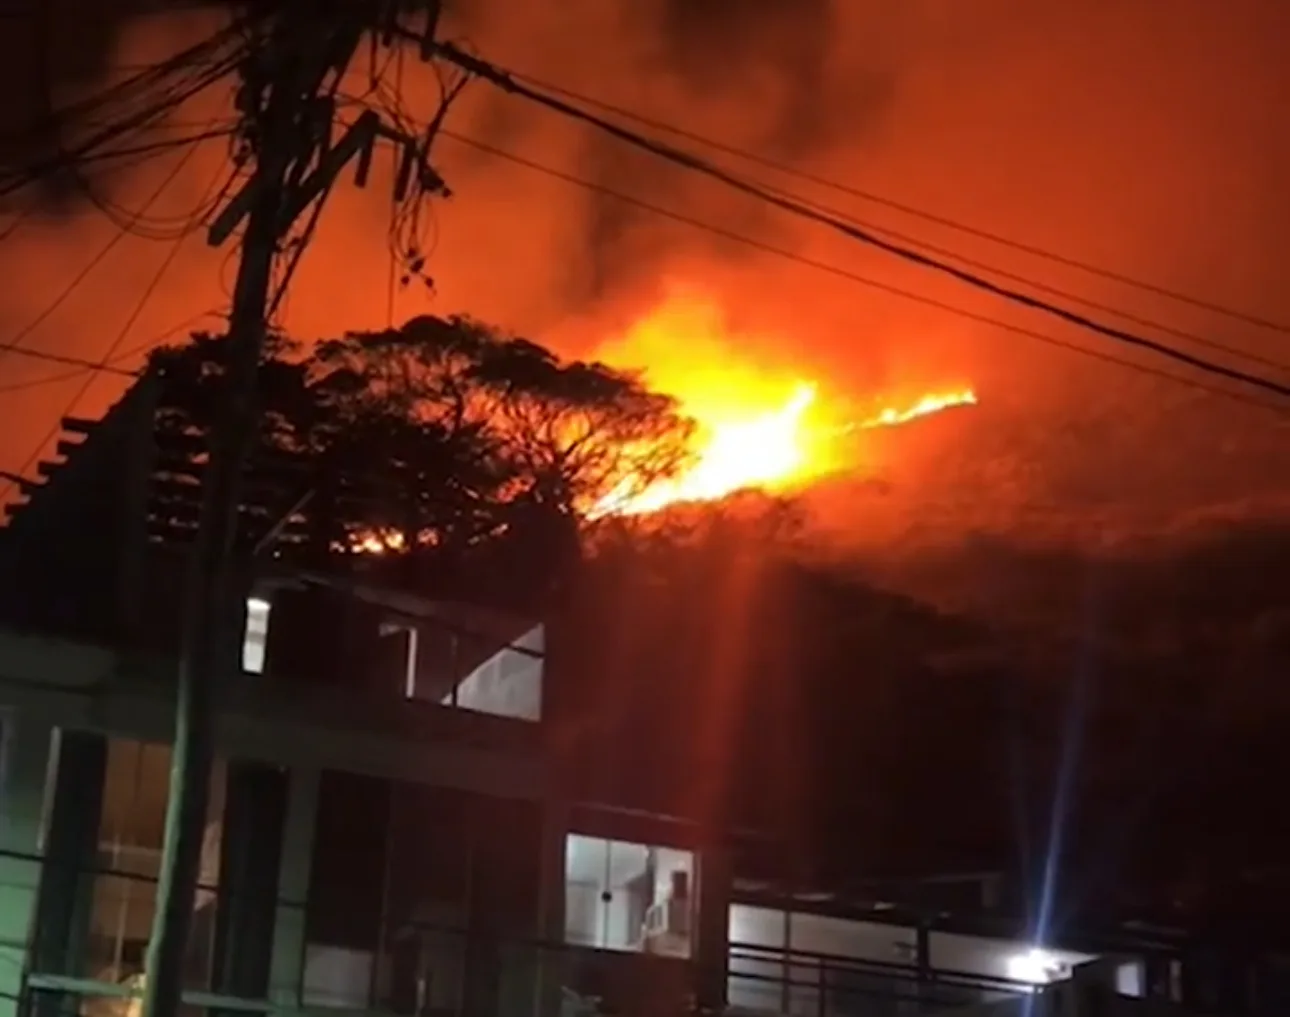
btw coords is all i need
(806, 984)
(420, 968)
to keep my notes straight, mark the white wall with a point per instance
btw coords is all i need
(509, 683)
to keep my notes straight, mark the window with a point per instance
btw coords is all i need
(488, 669)
(255, 638)
(507, 682)
(624, 896)
(131, 830)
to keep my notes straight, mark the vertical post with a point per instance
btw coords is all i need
(786, 967)
(24, 766)
(923, 949)
(64, 904)
(712, 959)
(290, 931)
(208, 651)
(255, 806)
(551, 906)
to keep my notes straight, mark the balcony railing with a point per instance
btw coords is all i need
(416, 968)
(804, 984)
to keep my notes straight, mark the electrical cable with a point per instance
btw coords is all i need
(14, 344)
(506, 82)
(146, 76)
(855, 277)
(93, 373)
(110, 368)
(1141, 321)
(907, 209)
(58, 358)
(66, 158)
(1136, 319)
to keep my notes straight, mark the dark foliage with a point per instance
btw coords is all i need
(436, 451)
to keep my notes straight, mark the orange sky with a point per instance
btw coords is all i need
(1140, 135)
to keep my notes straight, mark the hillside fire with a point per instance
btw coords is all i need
(757, 427)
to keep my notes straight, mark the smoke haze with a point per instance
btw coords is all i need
(1141, 136)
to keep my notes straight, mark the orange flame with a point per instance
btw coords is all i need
(765, 450)
(928, 404)
(758, 428)
(379, 541)
(755, 429)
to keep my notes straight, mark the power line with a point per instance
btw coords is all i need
(1056, 291)
(143, 77)
(898, 206)
(71, 158)
(93, 373)
(110, 367)
(95, 369)
(58, 358)
(14, 344)
(508, 83)
(855, 277)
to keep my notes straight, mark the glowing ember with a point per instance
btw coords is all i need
(376, 542)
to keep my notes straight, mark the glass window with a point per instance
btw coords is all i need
(130, 836)
(625, 896)
(487, 670)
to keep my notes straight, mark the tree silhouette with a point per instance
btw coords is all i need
(442, 445)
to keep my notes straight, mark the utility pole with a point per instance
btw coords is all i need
(297, 47)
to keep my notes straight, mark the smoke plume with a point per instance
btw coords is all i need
(1137, 136)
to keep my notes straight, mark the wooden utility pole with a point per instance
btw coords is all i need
(298, 47)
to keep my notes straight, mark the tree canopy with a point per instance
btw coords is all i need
(443, 437)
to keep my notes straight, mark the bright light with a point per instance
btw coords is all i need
(1035, 966)
(760, 425)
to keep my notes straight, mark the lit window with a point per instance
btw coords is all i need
(621, 896)
(497, 672)
(255, 638)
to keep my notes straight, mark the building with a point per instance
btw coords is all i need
(405, 817)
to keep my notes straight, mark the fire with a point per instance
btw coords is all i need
(758, 428)
(377, 542)
(928, 404)
(767, 450)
